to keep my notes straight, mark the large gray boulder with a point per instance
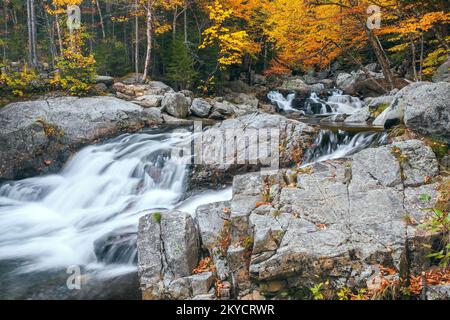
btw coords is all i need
(228, 148)
(38, 136)
(168, 252)
(427, 108)
(176, 104)
(423, 106)
(359, 83)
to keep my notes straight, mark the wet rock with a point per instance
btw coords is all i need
(359, 82)
(117, 247)
(200, 108)
(38, 136)
(176, 104)
(131, 91)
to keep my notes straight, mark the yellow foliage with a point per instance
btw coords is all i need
(232, 45)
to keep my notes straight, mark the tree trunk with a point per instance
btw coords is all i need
(148, 55)
(414, 61)
(5, 12)
(31, 23)
(50, 34)
(58, 31)
(136, 51)
(381, 58)
(422, 49)
(185, 23)
(99, 9)
(174, 24)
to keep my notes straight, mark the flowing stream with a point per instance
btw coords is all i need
(87, 214)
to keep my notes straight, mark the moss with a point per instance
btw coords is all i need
(375, 113)
(51, 130)
(157, 216)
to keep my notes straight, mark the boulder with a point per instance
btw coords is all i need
(360, 116)
(134, 90)
(427, 108)
(106, 80)
(168, 251)
(37, 137)
(360, 83)
(218, 143)
(443, 72)
(176, 104)
(259, 79)
(200, 108)
(222, 109)
(243, 99)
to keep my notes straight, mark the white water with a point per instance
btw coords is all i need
(283, 103)
(53, 221)
(330, 145)
(337, 103)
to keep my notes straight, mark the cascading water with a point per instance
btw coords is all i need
(88, 214)
(330, 145)
(336, 103)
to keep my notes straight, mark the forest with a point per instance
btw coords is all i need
(199, 44)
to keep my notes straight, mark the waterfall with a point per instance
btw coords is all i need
(77, 216)
(284, 104)
(336, 103)
(330, 145)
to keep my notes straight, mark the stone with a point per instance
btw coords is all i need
(117, 247)
(36, 133)
(360, 116)
(200, 108)
(211, 219)
(168, 251)
(149, 101)
(427, 108)
(201, 283)
(443, 72)
(176, 104)
(224, 108)
(106, 80)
